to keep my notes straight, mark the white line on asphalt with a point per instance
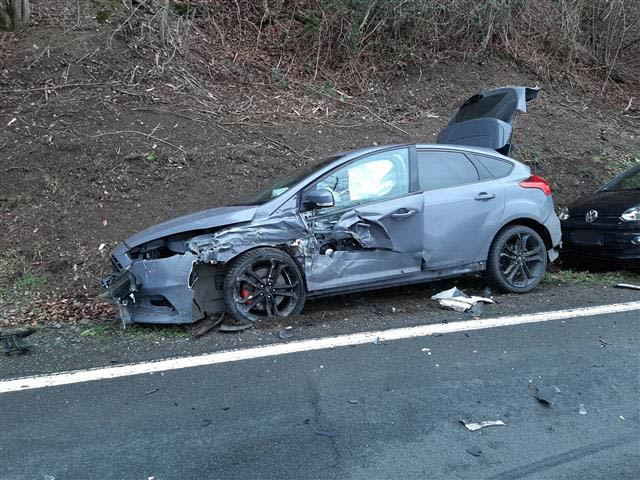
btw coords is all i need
(78, 376)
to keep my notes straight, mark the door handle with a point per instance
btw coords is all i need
(402, 215)
(484, 196)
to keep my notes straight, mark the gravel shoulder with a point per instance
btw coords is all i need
(101, 342)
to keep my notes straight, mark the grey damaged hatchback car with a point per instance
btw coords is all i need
(366, 219)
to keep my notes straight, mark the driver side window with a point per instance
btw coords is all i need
(369, 179)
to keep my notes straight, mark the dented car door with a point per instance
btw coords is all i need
(374, 229)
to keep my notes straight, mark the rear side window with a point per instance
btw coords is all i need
(497, 167)
(445, 169)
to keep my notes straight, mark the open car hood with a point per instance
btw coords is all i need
(486, 119)
(214, 217)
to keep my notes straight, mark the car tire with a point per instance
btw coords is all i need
(517, 260)
(262, 283)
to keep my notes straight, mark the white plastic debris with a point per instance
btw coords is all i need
(458, 300)
(473, 426)
(582, 410)
(628, 285)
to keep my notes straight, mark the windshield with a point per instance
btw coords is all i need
(630, 181)
(278, 187)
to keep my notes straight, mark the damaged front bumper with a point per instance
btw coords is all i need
(119, 289)
(165, 291)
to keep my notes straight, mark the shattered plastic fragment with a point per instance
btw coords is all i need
(234, 328)
(476, 310)
(545, 395)
(477, 426)
(582, 410)
(285, 334)
(458, 300)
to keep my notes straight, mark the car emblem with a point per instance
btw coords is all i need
(591, 216)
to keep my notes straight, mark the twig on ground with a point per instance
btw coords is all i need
(137, 132)
(287, 147)
(148, 109)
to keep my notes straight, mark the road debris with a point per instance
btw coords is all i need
(325, 433)
(353, 402)
(476, 310)
(544, 394)
(458, 300)
(206, 325)
(285, 334)
(12, 342)
(582, 410)
(604, 342)
(628, 285)
(230, 328)
(473, 426)
(152, 391)
(474, 450)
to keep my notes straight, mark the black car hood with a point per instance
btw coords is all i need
(608, 204)
(214, 217)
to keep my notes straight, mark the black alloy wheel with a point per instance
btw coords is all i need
(263, 283)
(517, 260)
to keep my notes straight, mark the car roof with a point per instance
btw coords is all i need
(466, 148)
(422, 146)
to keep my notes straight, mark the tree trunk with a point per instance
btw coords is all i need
(6, 23)
(164, 23)
(14, 14)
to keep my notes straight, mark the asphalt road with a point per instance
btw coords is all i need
(387, 411)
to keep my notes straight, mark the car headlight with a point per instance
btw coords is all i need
(631, 215)
(563, 213)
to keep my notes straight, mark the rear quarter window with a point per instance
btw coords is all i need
(440, 169)
(497, 167)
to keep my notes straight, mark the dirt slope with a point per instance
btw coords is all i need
(98, 141)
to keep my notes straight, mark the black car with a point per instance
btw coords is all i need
(605, 224)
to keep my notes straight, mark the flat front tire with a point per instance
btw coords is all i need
(263, 283)
(517, 260)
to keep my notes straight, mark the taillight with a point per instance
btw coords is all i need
(535, 181)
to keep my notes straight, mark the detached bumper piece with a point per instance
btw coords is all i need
(119, 289)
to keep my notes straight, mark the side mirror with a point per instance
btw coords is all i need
(320, 198)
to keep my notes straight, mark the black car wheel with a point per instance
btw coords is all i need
(517, 260)
(263, 283)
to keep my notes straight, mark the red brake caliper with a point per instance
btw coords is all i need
(244, 293)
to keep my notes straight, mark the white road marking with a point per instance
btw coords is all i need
(78, 376)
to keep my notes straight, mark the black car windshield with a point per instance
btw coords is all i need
(278, 187)
(630, 181)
